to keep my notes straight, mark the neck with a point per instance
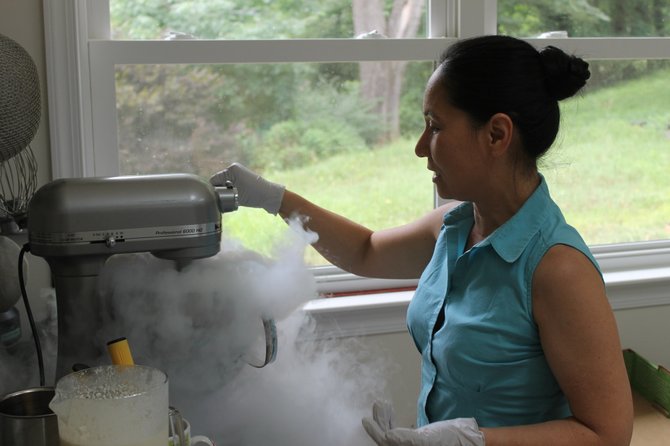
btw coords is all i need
(500, 204)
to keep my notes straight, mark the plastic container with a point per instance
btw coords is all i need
(112, 405)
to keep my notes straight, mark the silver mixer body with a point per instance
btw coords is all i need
(77, 224)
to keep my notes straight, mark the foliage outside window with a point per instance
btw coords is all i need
(585, 18)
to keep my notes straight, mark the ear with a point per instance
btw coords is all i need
(499, 133)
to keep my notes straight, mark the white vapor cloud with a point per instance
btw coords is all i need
(200, 324)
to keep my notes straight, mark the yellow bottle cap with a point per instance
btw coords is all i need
(119, 351)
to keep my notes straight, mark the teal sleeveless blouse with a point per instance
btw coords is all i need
(484, 358)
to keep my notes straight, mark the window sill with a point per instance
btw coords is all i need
(360, 315)
(384, 312)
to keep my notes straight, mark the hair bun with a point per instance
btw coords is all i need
(565, 74)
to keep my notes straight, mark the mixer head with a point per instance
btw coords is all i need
(174, 216)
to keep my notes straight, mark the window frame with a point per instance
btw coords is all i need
(81, 57)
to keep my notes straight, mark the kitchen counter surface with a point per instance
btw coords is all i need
(651, 427)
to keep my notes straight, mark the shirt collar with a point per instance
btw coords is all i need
(463, 211)
(511, 239)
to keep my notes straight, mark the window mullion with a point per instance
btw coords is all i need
(104, 149)
(68, 80)
(265, 51)
(442, 18)
(477, 17)
(99, 24)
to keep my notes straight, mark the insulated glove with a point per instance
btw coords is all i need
(253, 190)
(456, 432)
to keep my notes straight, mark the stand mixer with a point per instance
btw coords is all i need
(77, 224)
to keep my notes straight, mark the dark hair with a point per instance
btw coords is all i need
(499, 74)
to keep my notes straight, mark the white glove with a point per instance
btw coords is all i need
(456, 432)
(253, 190)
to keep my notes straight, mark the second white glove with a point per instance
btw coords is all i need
(456, 432)
(253, 190)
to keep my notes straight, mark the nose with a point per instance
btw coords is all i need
(422, 148)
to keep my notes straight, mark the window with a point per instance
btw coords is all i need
(190, 87)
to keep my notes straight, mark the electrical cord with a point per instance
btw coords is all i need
(33, 327)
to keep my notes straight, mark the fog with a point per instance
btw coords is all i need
(203, 324)
(18, 364)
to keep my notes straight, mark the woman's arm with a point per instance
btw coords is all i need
(580, 340)
(401, 252)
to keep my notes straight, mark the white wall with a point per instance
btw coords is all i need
(403, 377)
(646, 330)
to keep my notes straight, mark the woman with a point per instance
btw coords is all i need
(519, 344)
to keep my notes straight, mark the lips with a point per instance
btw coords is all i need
(436, 174)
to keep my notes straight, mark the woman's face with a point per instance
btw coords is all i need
(451, 144)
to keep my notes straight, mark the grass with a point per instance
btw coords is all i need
(378, 188)
(608, 170)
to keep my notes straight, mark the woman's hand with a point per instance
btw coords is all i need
(457, 432)
(254, 190)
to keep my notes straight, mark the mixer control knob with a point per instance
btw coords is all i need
(228, 198)
(110, 241)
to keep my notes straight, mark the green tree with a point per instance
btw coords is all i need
(225, 111)
(591, 18)
(585, 18)
(382, 82)
(533, 17)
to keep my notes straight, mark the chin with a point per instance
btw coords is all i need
(448, 192)
(443, 193)
(440, 187)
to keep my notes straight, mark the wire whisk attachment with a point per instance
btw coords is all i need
(18, 182)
